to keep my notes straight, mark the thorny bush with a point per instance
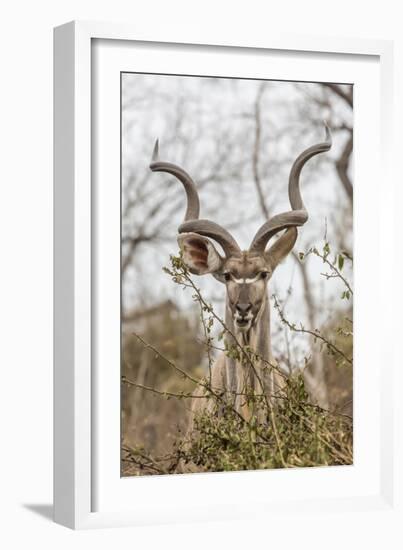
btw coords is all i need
(294, 432)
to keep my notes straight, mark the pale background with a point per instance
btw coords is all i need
(238, 138)
(26, 229)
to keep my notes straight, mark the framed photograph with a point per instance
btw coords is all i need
(219, 230)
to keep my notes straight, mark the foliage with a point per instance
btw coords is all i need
(306, 436)
(293, 432)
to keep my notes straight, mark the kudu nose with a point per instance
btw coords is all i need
(243, 309)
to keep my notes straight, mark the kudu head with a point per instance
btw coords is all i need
(245, 273)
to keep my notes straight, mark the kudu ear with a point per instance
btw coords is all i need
(281, 248)
(199, 254)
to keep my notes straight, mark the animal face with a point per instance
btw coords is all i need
(245, 275)
(246, 282)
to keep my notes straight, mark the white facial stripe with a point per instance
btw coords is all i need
(246, 281)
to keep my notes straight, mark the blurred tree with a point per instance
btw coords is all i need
(145, 419)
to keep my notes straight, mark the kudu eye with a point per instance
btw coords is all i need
(227, 276)
(264, 274)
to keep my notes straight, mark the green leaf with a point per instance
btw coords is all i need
(345, 295)
(340, 262)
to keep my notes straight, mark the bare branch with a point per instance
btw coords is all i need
(314, 333)
(256, 153)
(342, 165)
(165, 393)
(338, 90)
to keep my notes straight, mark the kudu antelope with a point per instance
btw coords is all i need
(245, 273)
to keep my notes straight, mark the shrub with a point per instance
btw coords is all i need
(290, 430)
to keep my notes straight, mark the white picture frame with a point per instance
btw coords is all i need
(88, 491)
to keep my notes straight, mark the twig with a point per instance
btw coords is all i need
(170, 363)
(152, 464)
(336, 271)
(307, 331)
(163, 393)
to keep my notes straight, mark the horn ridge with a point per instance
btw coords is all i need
(193, 202)
(294, 192)
(214, 231)
(298, 214)
(277, 223)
